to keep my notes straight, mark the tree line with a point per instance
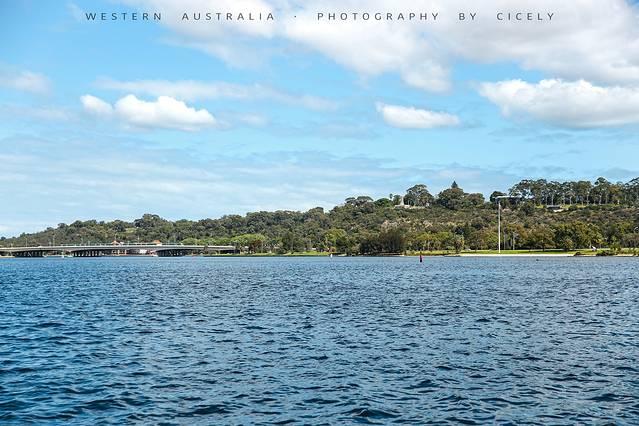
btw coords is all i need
(582, 192)
(598, 214)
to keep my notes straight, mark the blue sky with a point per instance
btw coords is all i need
(115, 119)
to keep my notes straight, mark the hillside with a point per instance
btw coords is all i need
(453, 220)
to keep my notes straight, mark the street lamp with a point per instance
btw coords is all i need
(499, 197)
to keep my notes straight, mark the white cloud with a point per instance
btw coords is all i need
(414, 118)
(96, 105)
(25, 81)
(577, 104)
(190, 90)
(594, 40)
(165, 112)
(372, 48)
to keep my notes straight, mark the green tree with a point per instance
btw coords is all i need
(291, 242)
(475, 199)
(577, 235)
(337, 240)
(383, 202)
(452, 198)
(418, 195)
(358, 201)
(542, 237)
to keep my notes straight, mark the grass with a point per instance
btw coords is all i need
(445, 252)
(583, 252)
(549, 251)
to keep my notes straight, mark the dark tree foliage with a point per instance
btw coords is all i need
(418, 195)
(390, 241)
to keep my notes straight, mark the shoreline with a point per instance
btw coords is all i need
(523, 255)
(412, 255)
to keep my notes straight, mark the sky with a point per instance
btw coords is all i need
(194, 119)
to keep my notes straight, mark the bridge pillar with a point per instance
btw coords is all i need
(172, 253)
(29, 253)
(87, 253)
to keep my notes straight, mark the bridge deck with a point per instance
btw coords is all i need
(114, 247)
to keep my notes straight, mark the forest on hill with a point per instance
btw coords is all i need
(536, 214)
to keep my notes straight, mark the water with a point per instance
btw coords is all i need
(318, 340)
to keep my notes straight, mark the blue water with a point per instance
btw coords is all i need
(318, 340)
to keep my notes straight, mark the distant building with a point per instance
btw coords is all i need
(402, 205)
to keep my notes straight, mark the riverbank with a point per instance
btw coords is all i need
(530, 253)
(484, 253)
(442, 253)
(519, 255)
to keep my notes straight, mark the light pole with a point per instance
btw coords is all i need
(498, 198)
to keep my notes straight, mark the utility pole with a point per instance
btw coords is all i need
(498, 198)
(498, 226)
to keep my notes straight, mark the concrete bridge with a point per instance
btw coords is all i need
(96, 250)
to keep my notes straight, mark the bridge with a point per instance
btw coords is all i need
(96, 250)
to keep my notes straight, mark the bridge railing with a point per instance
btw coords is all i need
(123, 246)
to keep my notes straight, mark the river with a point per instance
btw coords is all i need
(319, 340)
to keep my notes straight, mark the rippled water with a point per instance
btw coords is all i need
(318, 340)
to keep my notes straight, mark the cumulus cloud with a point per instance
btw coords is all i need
(591, 39)
(190, 90)
(374, 48)
(165, 112)
(414, 118)
(577, 104)
(96, 105)
(25, 81)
